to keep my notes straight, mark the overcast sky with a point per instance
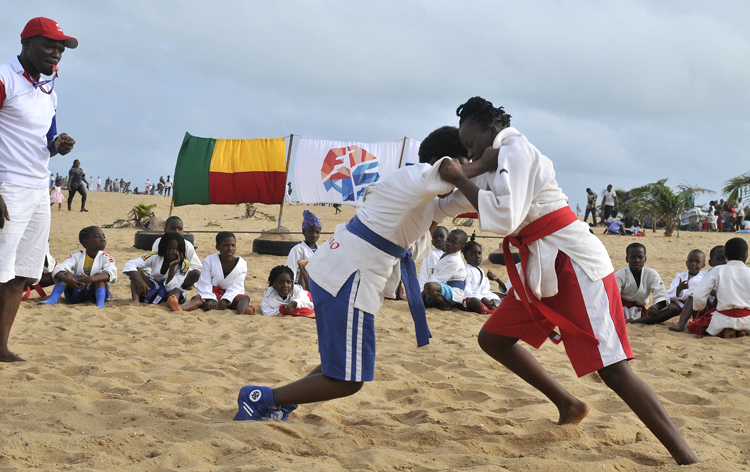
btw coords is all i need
(620, 92)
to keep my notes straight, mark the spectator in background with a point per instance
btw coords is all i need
(590, 205)
(609, 202)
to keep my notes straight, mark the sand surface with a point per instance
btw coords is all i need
(143, 388)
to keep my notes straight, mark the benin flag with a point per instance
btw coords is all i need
(229, 171)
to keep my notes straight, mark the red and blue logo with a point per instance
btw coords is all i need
(349, 170)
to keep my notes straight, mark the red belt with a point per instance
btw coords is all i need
(630, 304)
(736, 312)
(537, 229)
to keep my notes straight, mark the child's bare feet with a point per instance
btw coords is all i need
(173, 303)
(250, 310)
(741, 333)
(573, 414)
(134, 303)
(726, 333)
(677, 328)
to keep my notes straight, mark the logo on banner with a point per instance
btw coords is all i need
(349, 170)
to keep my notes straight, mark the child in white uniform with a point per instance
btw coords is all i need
(568, 279)
(350, 275)
(156, 276)
(174, 225)
(221, 285)
(445, 287)
(285, 297)
(85, 275)
(732, 284)
(637, 283)
(477, 295)
(436, 252)
(303, 251)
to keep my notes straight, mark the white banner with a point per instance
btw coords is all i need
(339, 172)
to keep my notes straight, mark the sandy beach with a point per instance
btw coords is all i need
(142, 388)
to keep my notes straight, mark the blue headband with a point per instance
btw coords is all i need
(309, 220)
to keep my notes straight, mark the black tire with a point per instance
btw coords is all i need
(145, 239)
(499, 258)
(273, 247)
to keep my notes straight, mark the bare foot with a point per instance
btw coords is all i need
(173, 303)
(10, 357)
(677, 328)
(741, 333)
(134, 303)
(250, 310)
(573, 414)
(726, 333)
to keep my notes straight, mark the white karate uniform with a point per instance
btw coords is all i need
(450, 268)
(272, 301)
(212, 276)
(651, 283)
(507, 205)
(478, 285)
(396, 208)
(152, 263)
(103, 262)
(732, 284)
(692, 283)
(195, 261)
(300, 252)
(428, 266)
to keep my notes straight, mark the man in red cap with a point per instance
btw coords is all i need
(28, 138)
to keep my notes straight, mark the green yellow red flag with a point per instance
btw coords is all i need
(230, 171)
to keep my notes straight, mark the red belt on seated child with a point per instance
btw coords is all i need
(537, 229)
(629, 304)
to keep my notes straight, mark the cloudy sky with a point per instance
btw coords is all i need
(621, 92)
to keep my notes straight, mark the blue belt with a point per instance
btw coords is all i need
(459, 284)
(408, 275)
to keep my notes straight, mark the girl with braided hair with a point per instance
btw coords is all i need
(568, 281)
(156, 276)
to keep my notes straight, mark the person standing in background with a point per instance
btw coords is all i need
(609, 202)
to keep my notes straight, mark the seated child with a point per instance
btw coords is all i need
(303, 251)
(439, 236)
(616, 227)
(732, 284)
(637, 283)
(284, 296)
(682, 287)
(156, 276)
(746, 225)
(45, 281)
(477, 294)
(445, 287)
(716, 257)
(635, 229)
(174, 225)
(222, 281)
(85, 275)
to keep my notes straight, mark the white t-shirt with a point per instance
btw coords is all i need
(609, 198)
(26, 117)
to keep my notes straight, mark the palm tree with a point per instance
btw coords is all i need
(738, 188)
(657, 201)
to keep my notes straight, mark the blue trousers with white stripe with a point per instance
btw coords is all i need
(346, 335)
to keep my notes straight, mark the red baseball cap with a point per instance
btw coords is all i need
(49, 29)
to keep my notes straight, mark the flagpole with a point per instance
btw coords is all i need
(403, 147)
(288, 157)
